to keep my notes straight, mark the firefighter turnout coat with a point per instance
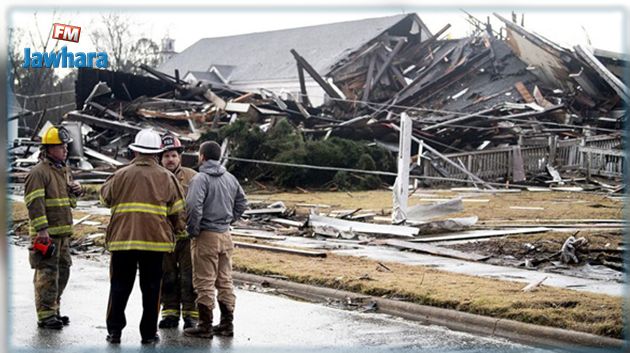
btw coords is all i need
(147, 207)
(48, 199)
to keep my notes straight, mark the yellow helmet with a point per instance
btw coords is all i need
(56, 136)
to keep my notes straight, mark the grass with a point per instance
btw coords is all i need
(557, 205)
(586, 312)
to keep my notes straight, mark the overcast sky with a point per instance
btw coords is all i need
(567, 27)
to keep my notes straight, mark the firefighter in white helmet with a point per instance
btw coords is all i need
(147, 206)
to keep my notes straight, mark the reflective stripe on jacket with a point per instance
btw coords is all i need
(48, 200)
(147, 207)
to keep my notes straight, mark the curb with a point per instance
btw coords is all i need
(530, 334)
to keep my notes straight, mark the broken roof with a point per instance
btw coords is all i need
(265, 55)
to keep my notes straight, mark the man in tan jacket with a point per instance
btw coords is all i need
(147, 206)
(177, 288)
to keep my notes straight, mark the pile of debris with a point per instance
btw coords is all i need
(114, 106)
(507, 106)
(517, 109)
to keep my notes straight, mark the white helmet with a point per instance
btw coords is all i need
(147, 141)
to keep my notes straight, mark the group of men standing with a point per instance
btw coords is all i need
(168, 221)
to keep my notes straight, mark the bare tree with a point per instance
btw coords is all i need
(38, 89)
(145, 52)
(29, 81)
(126, 53)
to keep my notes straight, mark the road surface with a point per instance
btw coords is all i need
(263, 322)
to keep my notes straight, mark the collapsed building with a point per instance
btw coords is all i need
(507, 106)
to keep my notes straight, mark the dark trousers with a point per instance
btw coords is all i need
(122, 272)
(177, 286)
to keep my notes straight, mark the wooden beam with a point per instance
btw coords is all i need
(434, 250)
(368, 81)
(387, 62)
(270, 210)
(414, 51)
(288, 222)
(102, 122)
(256, 234)
(311, 71)
(102, 157)
(478, 234)
(524, 92)
(458, 119)
(239, 244)
(304, 96)
(360, 227)
(398, 75)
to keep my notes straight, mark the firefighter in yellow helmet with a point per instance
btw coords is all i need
(49, 194)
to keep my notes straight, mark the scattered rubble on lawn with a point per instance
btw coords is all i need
(310, 229)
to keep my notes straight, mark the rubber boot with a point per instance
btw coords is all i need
(113, 337)
(151, 340)
(189, 322)
(64, 320)
(51, 323)
(169, 322)
(225, 327)
(204, 326)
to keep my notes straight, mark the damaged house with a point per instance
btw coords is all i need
(500, 105)
(264, 60)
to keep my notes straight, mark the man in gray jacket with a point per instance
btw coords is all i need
(214, 200)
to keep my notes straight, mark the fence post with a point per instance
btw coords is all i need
(553, 144)
(418, 162)
(508, 176)
(401, 186)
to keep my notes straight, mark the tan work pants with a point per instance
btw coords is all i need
(211, 254)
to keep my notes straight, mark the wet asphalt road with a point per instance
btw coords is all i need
(263, 322)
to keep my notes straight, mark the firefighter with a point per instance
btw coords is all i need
(214, 201)
(147, 208)
(177, 287)
(50, 194)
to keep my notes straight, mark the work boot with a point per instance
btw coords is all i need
(225, 327)
(64, 320)
(51, 323)
(151, 340)
(113, 337)
(189, 322)
(204, 326)
(169, 322)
